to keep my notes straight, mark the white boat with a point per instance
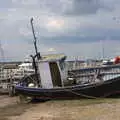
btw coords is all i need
(25, 68)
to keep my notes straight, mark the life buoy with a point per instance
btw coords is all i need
(117, 60)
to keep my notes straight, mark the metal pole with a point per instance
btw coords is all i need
(35, 45)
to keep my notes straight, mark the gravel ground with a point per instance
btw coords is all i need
(85, 109)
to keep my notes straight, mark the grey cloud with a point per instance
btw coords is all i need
(81, 7)
(5, 3)
(76, 7)
(15, 22)
(66, 7)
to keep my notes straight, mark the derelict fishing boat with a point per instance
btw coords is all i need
(53, 81)
(54, 84)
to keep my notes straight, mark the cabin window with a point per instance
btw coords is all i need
(62, 65)
(55, 74)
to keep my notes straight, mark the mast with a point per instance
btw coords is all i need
(37, 54)
(35, 45)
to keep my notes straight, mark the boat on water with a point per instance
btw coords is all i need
(53, 81)
(23, 69)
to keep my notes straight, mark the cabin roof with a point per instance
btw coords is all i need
(53, 57)
(25, 64)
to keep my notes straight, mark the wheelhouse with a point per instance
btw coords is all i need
(51, 70)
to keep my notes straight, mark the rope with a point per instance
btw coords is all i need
(83, 95)
(30, 77)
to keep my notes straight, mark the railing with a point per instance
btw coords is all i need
(5, 74)
(103, 72)
(13, 73)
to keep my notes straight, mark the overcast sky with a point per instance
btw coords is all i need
(74, 27)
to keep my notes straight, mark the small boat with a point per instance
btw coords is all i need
(54, 84)
(53, 81)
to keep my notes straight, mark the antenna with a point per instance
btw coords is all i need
(103, 50)
(2, 52)
(35, 45)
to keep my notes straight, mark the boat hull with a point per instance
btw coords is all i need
(97, 90)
